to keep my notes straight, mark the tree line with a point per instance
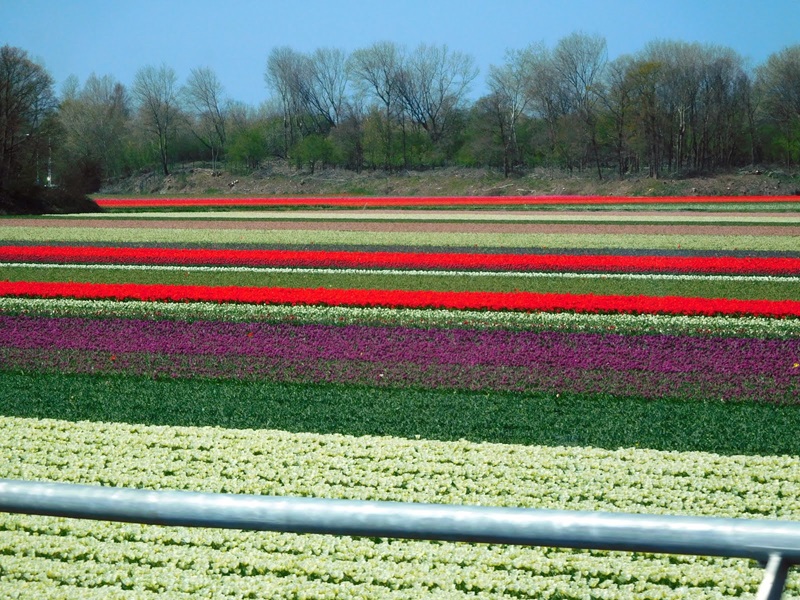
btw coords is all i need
(673, 107)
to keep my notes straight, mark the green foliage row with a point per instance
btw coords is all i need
(775, 289)
(531, 419)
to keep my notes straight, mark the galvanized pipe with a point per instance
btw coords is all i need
(775, 573)
(761, 540)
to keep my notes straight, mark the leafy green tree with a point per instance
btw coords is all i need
(644, 80)
(312, 150)
(248, 146)
(486, 135)
(348, 143)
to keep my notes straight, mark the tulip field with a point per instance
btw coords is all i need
(579, 353)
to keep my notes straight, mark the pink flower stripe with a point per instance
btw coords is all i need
(404, 260)
(434, 201)
(521, 301)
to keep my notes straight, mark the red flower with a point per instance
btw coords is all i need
(597, 263)
(519, 301)
(434, 201)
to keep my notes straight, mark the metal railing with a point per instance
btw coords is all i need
(776, 544)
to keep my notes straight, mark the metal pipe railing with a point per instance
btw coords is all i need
(773, 543)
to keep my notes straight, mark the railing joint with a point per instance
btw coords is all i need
(774, 580)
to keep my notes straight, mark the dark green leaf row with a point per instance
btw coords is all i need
(540, 419)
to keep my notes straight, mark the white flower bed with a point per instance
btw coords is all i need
(49, 557)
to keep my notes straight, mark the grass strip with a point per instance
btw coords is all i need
(77, 234)
(427, 251)
(379, 272)
(530, 419)
(775, 289)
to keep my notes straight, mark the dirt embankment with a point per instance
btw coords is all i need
(280, 180)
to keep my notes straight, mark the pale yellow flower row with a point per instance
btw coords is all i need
(49, 557)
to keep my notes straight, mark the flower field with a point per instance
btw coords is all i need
(562, 352)
(471, 201)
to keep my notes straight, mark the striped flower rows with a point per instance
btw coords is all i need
(654, 366)
(677, 325)
(522, 301)
(595, 263)
(278, 353)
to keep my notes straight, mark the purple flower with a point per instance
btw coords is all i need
(626, 365)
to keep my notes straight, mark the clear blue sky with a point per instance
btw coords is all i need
(234, 37)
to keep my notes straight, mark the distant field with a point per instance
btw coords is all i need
(616, 354)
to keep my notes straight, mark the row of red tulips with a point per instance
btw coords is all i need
(599, 263)
(433, 201)
(518, 301)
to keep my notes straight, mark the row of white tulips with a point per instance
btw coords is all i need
(620, 323)
(49, 557)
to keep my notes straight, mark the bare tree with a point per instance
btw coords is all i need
(617, 98)
(203, 97)
(778, 84)
(155, 91)
(702, 96)
(545, 92)
(432, 84)
(95, 122)
(26, 101)
(750, 105)
(509, 85)
(681, 67)
(326, 92)
(579, 60)
(375, 71)
(723, 96)
(645, 76)
(284, 76)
